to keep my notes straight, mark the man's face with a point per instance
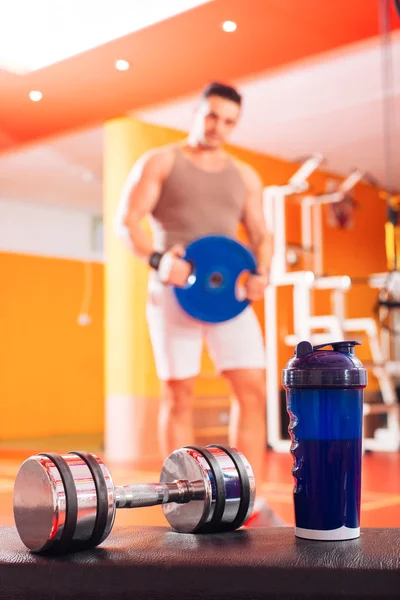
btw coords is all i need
(214, 120)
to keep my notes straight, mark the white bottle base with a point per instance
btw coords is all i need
(342, 533)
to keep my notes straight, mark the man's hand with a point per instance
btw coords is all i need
(173, 269)
(255, 286)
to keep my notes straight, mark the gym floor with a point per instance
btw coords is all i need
(380, 486)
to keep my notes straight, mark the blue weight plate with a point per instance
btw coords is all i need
(210, 294)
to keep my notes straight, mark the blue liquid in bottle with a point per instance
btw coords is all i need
(326, 431)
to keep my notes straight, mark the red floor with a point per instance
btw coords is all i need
(380, 489)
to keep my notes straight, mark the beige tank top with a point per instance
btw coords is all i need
(194, 203)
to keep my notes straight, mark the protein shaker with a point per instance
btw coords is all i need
(324, 398)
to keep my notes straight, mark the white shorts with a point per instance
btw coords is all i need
(177, 339)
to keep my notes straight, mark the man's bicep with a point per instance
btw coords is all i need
(140, 191)
(143, 196)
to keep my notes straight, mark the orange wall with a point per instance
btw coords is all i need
(51, 369)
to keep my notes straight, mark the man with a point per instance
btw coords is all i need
(188, 190)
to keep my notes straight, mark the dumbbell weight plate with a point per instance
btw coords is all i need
(214, 523)
(219, 486)
(105, 511)
(40, 504)
(238, 484)
(71, 502)
(247, 487)
(41, 507)
(210, 293)
(189, 465)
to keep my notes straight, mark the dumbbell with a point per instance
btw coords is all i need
(66, 503)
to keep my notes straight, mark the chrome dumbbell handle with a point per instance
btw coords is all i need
(150, 494)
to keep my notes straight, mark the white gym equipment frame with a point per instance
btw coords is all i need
(334, 326)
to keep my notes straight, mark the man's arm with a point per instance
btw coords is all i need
(254, 221)
(139, 196)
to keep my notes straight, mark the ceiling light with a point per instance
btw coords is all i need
(122, 65)
(35, 95)
(229, 26)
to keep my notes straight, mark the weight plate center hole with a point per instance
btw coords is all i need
(216, 279)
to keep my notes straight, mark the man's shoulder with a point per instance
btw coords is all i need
(249, 174)
(159, 159)
(161, 153)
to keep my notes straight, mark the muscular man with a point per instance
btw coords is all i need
(188, 190)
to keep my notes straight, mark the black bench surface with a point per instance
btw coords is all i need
(156, 563)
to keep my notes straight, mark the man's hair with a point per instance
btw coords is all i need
(224, 91)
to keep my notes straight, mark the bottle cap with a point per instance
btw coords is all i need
(316, 366)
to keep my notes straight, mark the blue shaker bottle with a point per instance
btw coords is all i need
(324, 399)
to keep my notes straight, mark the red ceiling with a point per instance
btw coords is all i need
(176, 57)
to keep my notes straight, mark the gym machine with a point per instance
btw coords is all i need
(316, 329)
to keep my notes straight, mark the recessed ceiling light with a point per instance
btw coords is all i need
(35, 95)
(229, 26)
(122, 65)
